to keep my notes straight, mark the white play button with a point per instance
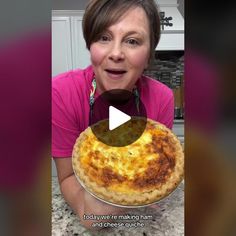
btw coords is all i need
(117, 118)
(114, 115)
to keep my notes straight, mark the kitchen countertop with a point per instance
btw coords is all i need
(167, 219)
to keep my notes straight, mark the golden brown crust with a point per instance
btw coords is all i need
(138, 174)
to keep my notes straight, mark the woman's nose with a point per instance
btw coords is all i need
(116, 53)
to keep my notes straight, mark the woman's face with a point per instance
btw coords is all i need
(122, 52)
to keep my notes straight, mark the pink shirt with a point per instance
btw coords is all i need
(70, 106)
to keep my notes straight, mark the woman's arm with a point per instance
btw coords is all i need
(79, 200)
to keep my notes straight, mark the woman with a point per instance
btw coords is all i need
(121, 36)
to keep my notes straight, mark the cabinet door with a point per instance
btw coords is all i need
(80, 54)
(61, 45)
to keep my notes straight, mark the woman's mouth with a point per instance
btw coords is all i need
(115, 73)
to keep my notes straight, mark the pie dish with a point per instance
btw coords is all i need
(138, 174)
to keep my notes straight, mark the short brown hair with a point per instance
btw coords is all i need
(100, 14)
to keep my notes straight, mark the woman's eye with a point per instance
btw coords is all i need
(104, 38)
(133, 42)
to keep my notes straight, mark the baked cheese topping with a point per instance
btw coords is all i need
(140, 166)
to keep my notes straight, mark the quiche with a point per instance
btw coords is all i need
(137, 174)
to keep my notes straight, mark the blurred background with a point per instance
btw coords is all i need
(25, 120)
(210, 206)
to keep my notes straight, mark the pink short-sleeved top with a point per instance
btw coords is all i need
(70, 106)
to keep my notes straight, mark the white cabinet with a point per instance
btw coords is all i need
(80, 55)
(68, 45)
(61, 45)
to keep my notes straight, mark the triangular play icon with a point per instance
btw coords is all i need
(117, 118)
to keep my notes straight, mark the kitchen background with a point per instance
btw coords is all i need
(69, 51)
(81, 4)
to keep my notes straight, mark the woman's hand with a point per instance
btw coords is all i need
(79, 200)
(95, 207)
(101, 207)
